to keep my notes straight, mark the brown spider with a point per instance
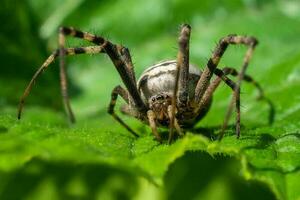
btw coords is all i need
(173, 93)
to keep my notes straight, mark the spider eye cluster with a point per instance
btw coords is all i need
(159, 97)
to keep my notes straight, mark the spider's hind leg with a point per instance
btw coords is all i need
(261, 95)
(222, 76)
(211, 68)
(207, 96)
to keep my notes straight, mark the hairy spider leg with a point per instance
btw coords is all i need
(231, 71)
(261, 94)
(151, 118)
(125, 53)
(176, 124)
(127, 59)
(180, 94)
(212, 64)
(63, 77)
(213, 86)
(49, 60)
(252, 44)
(183, 65)
(119, 91)
(114, 52)
(119, 55)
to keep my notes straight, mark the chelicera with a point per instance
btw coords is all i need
(173, 93)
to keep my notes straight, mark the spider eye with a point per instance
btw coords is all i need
(153, 99)
(160, 97)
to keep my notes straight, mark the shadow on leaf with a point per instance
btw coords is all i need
(199, 176)
(66, 180)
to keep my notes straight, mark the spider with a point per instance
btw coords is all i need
(173, 93)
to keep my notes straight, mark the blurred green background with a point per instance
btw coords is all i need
(150, 30)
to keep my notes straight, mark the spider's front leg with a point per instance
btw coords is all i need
(63, 77)
(49, 60)
(151, 119)
(183, 65)
(180, 93)
(212, 64)
(119, 56)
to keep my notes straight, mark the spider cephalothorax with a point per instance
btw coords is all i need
(172, 93)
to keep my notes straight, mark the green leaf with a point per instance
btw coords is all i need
(43, 157)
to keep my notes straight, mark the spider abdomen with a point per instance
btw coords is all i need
(160, 79)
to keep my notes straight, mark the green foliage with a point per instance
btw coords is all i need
(42, 157)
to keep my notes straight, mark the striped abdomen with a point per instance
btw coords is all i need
(160, 78)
